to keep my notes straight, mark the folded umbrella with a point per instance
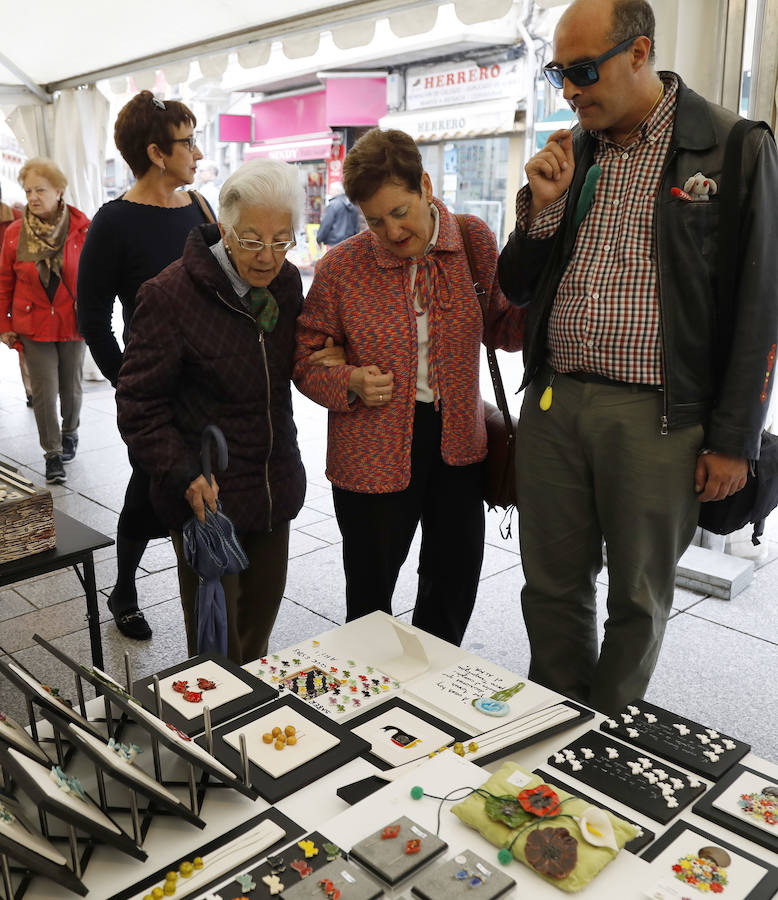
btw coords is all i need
(212, 549)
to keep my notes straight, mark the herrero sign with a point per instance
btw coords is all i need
(464, 83)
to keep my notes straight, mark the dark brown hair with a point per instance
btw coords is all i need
(378, 157)
(630, 18)
(146, 120)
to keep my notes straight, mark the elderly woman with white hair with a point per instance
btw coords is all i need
(212, 342)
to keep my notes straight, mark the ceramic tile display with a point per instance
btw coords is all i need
(338, 879)
(745, 802)
(398, 733)
(397, 850)
(645, 784)
(699, 748)
(62, 796)
(46, 696)
(24, 845)
(337, 688)
(116, 759)
(186, 688)
(458, 877)
(218, 861)
(300, 860)
(13, 735)
(686, 862)
(301, 740)
(320, 746)
(480, 694)
(636, 845)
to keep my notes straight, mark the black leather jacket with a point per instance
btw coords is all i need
(686, 238)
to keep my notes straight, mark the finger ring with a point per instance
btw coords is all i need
(381, 398)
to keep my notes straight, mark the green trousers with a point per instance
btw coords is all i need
(592, 468)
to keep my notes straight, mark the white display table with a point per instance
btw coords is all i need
(373, 639)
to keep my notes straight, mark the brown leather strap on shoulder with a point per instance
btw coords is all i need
(205, 209)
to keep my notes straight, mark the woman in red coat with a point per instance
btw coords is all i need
(38, 269)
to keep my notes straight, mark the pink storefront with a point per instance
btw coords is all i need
(313, 129)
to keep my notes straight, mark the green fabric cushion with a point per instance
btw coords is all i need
(591, 859)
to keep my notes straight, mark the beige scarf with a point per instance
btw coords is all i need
(43, 243)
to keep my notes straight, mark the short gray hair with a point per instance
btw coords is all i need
(262, 182)
(631, 18)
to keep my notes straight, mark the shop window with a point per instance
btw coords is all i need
(471, 177)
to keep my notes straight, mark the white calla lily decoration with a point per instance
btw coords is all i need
(596, 828)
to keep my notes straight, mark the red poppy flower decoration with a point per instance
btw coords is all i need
(193, 696)
(180, 687)
(540, 801)
(205, 685)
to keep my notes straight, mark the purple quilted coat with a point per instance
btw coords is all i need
(195, 357)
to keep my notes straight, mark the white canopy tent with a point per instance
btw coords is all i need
(49, 74)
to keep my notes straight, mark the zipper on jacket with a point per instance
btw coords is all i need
(270, 428)
(664, 418)
(269, 420)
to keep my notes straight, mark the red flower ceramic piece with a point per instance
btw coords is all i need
(205, 685)
(413, 846)
(193, 697)
(180, 687)
(540, 801)
(391, 831)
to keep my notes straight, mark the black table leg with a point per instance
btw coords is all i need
(92, 612)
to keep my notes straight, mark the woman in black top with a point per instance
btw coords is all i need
(132, 239)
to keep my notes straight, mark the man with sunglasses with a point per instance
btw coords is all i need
(624, 428)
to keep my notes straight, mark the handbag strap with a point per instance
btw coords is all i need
(483, 300)
(204, 208)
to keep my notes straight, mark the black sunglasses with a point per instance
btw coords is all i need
(584, 73)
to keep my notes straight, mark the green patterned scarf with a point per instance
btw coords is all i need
(264, 308)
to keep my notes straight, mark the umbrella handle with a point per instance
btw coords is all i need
(213, 431)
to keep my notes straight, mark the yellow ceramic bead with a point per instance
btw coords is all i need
(472, 746)
(267, 737)
(279, 745)
(290, 730)
(291, 740)
(197, 862)
(186, 869)
(276, 731)
(171, 876)
(459, 749)
(157, 893)
(169, 889)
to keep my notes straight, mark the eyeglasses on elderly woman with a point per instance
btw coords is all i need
(584, 73)
(259, 246)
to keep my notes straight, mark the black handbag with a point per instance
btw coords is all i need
(499, 488)
(759, 497)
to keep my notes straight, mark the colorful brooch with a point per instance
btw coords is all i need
(67, 783)
(762, 805)
(704, 870)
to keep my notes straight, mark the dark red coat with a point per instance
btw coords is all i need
(195, 357)
(24, 305)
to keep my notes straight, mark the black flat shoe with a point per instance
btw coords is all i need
(132, 623)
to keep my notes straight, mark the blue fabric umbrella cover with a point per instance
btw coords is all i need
(212, 549)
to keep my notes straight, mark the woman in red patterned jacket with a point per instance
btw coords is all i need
(406, 436)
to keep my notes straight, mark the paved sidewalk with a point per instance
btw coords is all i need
(718, 663)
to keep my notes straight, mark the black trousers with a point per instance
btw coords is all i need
(378, 529)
